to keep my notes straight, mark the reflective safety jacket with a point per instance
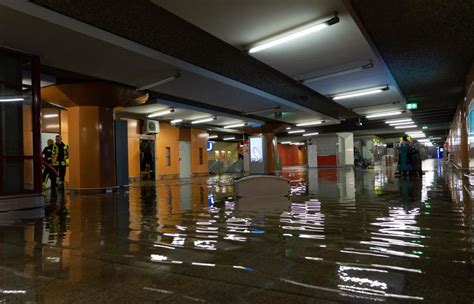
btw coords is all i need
(48, 154)
(60, 155)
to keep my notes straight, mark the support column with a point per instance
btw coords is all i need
(91, 147)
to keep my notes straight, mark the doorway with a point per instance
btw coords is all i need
(184, 159)
(147, 159)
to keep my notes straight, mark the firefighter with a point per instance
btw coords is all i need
(48, 159)
(60, 159)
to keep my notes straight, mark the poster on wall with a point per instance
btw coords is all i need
(256, 150)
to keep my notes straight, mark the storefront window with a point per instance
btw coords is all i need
(19, 124)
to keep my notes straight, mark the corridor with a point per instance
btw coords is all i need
(344, 235)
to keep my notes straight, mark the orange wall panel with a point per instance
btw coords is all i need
(65, 135)
(199, 140)
(292, 155)
(168, 137)
(133, 148)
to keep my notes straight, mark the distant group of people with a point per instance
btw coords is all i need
(55, 161)
(409, 158)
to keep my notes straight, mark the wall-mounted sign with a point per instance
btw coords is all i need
(210, 146)
(412, 106)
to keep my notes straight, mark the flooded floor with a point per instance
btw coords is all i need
(343, 236)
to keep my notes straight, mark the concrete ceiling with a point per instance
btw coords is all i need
(99, 55)
(428, 45)
(341, 46)
(137, 43)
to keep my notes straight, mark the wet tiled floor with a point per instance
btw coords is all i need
(343, 236)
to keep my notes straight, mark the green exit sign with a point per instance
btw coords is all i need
(412, 106)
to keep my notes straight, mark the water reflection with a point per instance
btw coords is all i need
(347, 235)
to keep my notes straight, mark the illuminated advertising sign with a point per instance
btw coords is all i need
(256, 150)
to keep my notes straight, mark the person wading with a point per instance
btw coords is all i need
(60, 159)
(48, 161)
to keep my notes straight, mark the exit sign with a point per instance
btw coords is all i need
(412, 106)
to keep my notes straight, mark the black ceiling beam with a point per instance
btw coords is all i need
(148, 24)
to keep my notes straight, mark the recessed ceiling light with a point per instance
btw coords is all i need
(311, 134)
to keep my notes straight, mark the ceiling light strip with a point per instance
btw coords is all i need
(358, 93)
(203, 120)
(293, 34)
(296, 131)
(309, 123)
(161, 113)
(384, 114)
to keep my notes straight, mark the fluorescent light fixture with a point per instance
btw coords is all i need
(52, 126)
(338, 73)
(11, 99)
(435, 138)
(175, 121)
(203, 120)
(160, 82)
(296, 131)
(303, 31)
(309, 123)
(229, 138)
(161, 113)
(423, 140)
(406, 127)
(383, 114)
(398, 120)
(213, 136)
(235, 125)
(297, 143)
(288, 128)
(311, 134)
(360, 93)
(285, 142)
(50, 115)
(401, 123)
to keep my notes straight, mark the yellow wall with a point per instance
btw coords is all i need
(168, 137)
(65, 135)
(198, 140)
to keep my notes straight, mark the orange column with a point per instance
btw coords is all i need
(91, 147)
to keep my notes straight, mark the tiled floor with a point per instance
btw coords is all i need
(344, 236)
